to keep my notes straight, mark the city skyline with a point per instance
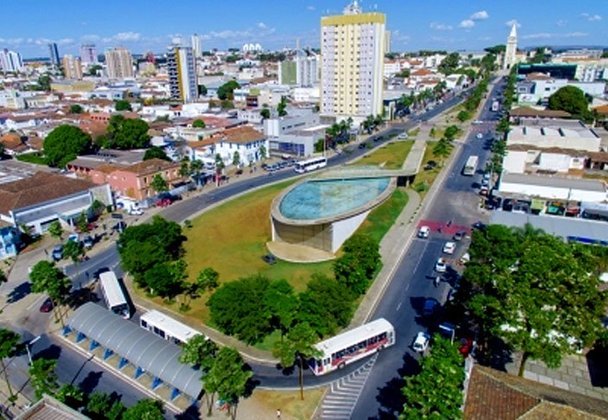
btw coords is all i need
(472, 25)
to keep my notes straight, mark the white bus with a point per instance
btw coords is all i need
(352, 345)
(166, 327)
(471, 166)
(113, 295)
(310, 165)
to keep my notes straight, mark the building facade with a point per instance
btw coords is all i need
(72, 68)
(10, 61)
(197, 46)
(182, 73)
(88, 54)
(119, 63)
(54, 54)
(352, 59)
(511, 50)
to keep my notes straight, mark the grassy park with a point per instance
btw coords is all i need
(390, 156)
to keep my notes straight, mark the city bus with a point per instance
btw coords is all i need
(471, 166)
(113, 295)
(166, 327)
(310, 164)
(352, 345)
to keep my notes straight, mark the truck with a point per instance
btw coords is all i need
(495, 105)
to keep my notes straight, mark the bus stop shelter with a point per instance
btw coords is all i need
(146, 352)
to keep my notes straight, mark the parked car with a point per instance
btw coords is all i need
(466, 346)
(429, 307)
(424, 232)
(466, 257)
(270, 259)
(479, 136)
(421, 342)
(459, 235)
(402, 136)
(362, 145)
(47, 305)
(136, 211)
(441, 266)
(74, 237)
(57, 253)
(163, 202)
(479, 226)
(430, 165)
(87, 242)
(449, 247)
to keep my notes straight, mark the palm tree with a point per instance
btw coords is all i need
(442, 149)
(8, 344)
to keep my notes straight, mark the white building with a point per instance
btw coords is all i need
(352, 58)
(244, 140)
(510, 57)
(182, 73)
(72, 68)
(197, 47)
(572, 138)
(119, 63)
(543, 86)
(88, 54)
(10, 61)
(11, 99)
(555, 188)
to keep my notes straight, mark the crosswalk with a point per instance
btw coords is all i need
(341, 399)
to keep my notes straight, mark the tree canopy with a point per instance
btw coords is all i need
(64, 144)
(43, 377)
(535, 292)
(449, 63)
(76, 109)
(146, 409)
(198, 124)
(570, 99)
(228, 377)
(122, 105)
(356, 267)
(126, 133)
(156, 152)
(226, 91)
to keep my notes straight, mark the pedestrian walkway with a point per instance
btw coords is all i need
(344, 393)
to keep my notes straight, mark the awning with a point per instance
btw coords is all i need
(537, 204)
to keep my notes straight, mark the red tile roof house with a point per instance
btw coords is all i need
(131, 181)
(38, 201)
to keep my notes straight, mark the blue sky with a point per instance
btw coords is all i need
(143, 25)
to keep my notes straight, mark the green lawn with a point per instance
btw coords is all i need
(383, 217)
(428, 177)
(36, 158)
(390, 156)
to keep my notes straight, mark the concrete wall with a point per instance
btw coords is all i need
(343, 229)
(560, 193)
(315, 236)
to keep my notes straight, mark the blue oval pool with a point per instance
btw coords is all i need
(319, 199)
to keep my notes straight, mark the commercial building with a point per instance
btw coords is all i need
(72, 68)
(119, 63)
(88, 54)
(244, 141)
(10, 61)
(510, 57)
(575, 136)
(352, 59)
(54, 54)
(301, 71)
(182, 73)
(538, 87)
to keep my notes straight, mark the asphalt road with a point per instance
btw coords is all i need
(456, 201)
(73, 367)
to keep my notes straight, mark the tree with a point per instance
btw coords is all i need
(9, 341)
(101, 407)
(405, 73)
(202, 90)
(451, 132)
(73, 250)
(126, 133)
(449, 63)
(55, 229)
(199, 351)
(496, 49)
(43, 377)
(159, 184)
(64, 144)
(265, 113)
(325, 305)
(207, 279)
(76, 109)
(436, 392)
(570, 99)
(198, 123)
(226, 91)
(518, 284)
(298, 346)
(236, 158)
(122, 105)
(281, 303)
(44, 81)
(156, 152)
(247, 320)
(164, 280)
(356, 267)
(263, 152)
(442, 149)
(47, 278)
(3, 277)
(71, 396)
(94, 69)
(229, 377)
(146, 409)
(281, 107)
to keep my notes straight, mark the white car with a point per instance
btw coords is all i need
(136, 211)
(449, 247)
(421, 342)
(477, 122)
(402, 136)
(424, 232)
(479, 136)
(441, 266)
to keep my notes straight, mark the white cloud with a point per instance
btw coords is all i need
(549, 35)
(311, 8)
(540, 35)
(561, 22)
(591, 17)
(262, 25)
(440, 26)
(481, 15)
(90, 38)
(576, 35)
(466, 24)
(512, 22)
(127, 37)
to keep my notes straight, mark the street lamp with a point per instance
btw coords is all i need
(27, 347)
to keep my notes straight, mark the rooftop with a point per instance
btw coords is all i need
(526, 111)
(554, 181)
(151, 166)
(243, 134)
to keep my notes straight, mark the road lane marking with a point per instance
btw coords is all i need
(399, 306)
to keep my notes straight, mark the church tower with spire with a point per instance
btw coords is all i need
(511, 51)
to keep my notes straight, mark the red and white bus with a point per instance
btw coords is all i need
(352, 345)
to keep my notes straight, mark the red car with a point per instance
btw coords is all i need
(466, 346)
(163, 202)
(47, 306)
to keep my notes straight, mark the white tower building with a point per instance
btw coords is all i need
(197, 48)
(511, 51)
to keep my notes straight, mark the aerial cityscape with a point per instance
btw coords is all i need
(304, 210)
